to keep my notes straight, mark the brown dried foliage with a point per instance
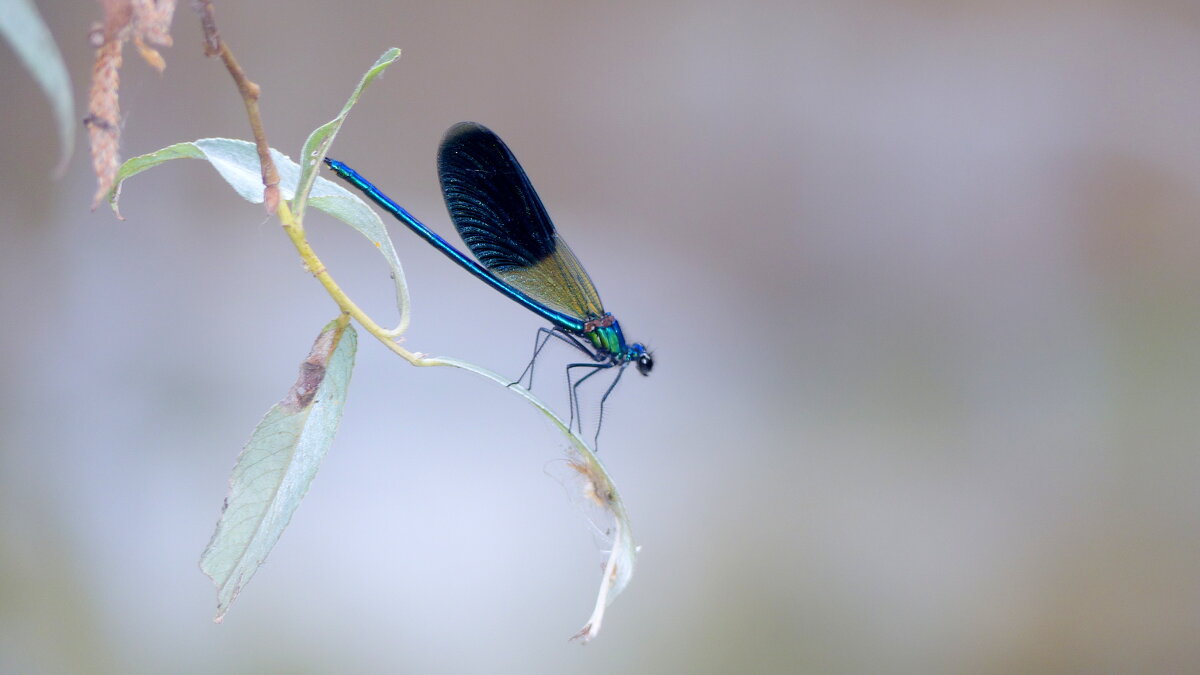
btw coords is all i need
(147, 23)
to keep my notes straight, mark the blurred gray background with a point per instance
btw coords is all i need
(921, 281)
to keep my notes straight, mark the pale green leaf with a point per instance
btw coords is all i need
(311, 156)
(22, 26)
(591, 486)
(237, 162)
(279, 463)
(320, 139)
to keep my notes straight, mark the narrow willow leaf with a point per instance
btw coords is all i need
(588, 484)
(237, 162)
(22, 26)
(314, 150)
(319, 140)
(596, 490)
(278, 464)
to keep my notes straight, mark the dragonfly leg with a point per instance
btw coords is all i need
(539, 342)
(600, 419)
(573, 389)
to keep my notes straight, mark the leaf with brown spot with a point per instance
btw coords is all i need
(279, 463)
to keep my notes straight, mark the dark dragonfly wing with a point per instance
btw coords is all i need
(491, 200)
(502, 221)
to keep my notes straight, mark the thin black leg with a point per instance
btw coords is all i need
(600, 361)
(600, 420)
(573, 388)
(539, 342)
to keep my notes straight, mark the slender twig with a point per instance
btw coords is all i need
(215, 46)
(348, 306)
(208, 23)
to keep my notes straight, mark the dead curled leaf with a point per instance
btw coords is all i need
(147, 23)
(596, 488)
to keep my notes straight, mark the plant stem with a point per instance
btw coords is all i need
(213, 46)
(317, 268)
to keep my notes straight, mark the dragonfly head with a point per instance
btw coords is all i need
(639, 354)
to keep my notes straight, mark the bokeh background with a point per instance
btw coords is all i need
(921, 280)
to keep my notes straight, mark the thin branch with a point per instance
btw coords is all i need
(348, 306)
(214, 45)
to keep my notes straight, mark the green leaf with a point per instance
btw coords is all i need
(22, 26)
(237, 162)
(311, 155)
(320, 139)
(593, 487)
(279, 463)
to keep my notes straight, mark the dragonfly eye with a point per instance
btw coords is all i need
(645, 363)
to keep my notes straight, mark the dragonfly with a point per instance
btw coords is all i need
(518, 252)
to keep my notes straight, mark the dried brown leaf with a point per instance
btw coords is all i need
(149, 54)
(104, 117)
(153, 21)
(146, 22)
